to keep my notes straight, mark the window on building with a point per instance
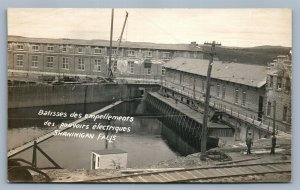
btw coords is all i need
(284, 116)
(64, 48)
(114, 52)
(20, 60)
(97, 66)
(50, 61)
(98, 50)
(166, 55)
(224, 92)
(131, 67)
(236, 96)
(34, 61)
(203, 85)
(163, 71)
(115, 66)
(269, 106)
(244, 97)
(65, 63)
(287, 84)
(35, 48)
(271, 82)
(81, 65)
(148, 53)
(218, 90)
(130, 53)
(148, 71)
(98, 161)
(20, 47)
(50, 48)
(147, 66)
(279, 83)
(80, 49)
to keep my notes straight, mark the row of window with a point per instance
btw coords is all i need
(284, 114)
(279, 83)
(219, 94)
(64, 48)
(81, 64)
(97, 50)
(236, 94)
(65, 62)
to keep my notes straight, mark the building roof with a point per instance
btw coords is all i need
(109, 151)
(125, 44)
(241, 73)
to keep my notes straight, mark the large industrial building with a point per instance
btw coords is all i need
(235, 88)
(246, 89)
(44, 56)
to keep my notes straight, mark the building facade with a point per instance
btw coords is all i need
(90, 57)
(245, 91)
(233, 85)
(278, 91)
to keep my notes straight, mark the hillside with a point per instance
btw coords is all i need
(260, 55)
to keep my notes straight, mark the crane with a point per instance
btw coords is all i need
(110, 73)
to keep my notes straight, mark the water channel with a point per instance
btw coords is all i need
(148, 142)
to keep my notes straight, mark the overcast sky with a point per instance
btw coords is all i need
(232, 27)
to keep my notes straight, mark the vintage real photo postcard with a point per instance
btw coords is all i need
(149, 95)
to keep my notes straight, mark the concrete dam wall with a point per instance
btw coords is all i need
(44, 95)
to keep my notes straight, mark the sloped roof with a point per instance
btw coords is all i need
(125, 44)
(241, 73)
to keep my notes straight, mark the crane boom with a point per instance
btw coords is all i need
(110, 73)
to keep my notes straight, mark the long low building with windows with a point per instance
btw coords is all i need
(235, 87)
(90, 57)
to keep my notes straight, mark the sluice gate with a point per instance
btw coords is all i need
(187, 122)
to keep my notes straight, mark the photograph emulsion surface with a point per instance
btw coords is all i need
(149, 95)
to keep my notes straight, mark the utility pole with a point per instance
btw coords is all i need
(110, 73)
(212, 53)
(194, 88)
(274, 127)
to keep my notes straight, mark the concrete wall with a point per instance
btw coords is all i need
(43, 95)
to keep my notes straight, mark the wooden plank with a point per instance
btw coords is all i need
(227, 170)
(172, 178)
(267, 169)
(283, 166)
(212, 172)
(142, 179)
(136, 179)
(221, 172)
(246, 170)
(157, 178)
(189, 172)
(176, 175)
(199, 173)
(236, 171)
(128, 179)
(275, 168)
(164, 177)
(258, 169)
(188, 175)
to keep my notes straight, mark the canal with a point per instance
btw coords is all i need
(147, 139)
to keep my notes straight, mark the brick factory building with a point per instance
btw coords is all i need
(278, 89)
(42, 56)
(235, 87)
